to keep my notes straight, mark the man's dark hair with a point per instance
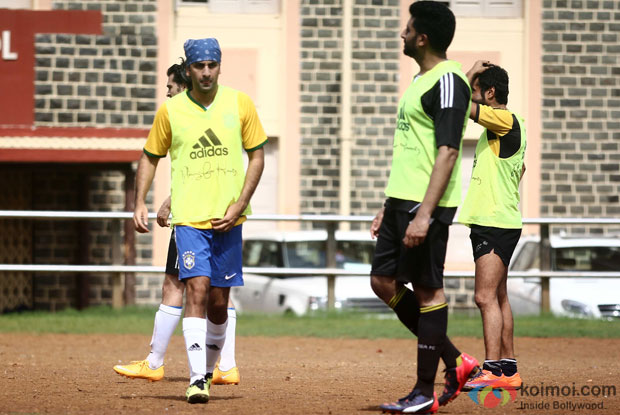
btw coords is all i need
(496, 77)
(180, 77)
(436, 21)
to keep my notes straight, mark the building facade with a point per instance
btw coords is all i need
(326, 77)
(580, 157)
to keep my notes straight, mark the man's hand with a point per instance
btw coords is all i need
(479, 67)
(141, 218)
(164, 213)
(376, 224)
(230, 218)
(416, 231)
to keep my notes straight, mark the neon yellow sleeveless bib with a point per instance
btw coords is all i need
(414, 143)
(206, 156)
(493, 195)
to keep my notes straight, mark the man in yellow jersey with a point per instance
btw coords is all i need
(205, 130)
(169, 312)
(423, 192)
(495, 221)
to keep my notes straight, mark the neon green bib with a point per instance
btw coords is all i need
(493, 195)
(206, 156)
(415, 150)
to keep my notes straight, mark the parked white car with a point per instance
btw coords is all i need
(584, 297)
(306, 249)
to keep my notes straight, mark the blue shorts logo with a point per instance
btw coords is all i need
(189, 259)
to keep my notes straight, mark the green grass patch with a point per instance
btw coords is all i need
(139, 320)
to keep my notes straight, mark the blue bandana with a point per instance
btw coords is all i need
(198, 50)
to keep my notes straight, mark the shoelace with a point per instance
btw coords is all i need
(409, 397)
(477, 375)
(200, 383)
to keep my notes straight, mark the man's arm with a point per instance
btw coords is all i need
(479, 67)
(448, 109)
(144, 178)
(440, 177)
(256, 165)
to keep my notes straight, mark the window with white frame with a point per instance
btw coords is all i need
(16, 4)
(486, 8)
(237, 6)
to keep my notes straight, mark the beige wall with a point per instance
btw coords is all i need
(259, 57)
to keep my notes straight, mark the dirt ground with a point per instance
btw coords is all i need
(72, 374)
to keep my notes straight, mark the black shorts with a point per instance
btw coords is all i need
(421, 265)
(172, 263)
(485, 239)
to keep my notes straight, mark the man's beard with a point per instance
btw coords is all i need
(410, 51)
(481, 101)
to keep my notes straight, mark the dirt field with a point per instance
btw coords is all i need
(72, 374)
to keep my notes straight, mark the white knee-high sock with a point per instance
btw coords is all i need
(216, 335)
(227, 359)
(166, 320)
(195, 333)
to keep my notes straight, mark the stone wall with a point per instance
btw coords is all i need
(580, 163)
(374, 100)
(105, 81)
(55, 241)
(71, 242)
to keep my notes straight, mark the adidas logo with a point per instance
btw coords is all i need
(208, 145)
(194, 348)
(213, 347)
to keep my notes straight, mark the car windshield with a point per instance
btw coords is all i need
(311, 254)
(594, 258)
(581, 258)
(262, 254)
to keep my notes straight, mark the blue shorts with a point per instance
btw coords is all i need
(207, 253)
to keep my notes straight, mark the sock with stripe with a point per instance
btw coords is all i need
(407, 309)
(195, 333)
(509, 366)
(432, 328)
(493, 366)
(227, 359)
(215, 338)
(166, 320)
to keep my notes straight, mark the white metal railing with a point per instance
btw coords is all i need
(75, 215)
(331, 272)
(287, 272)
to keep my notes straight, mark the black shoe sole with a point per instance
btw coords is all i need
(198, 399)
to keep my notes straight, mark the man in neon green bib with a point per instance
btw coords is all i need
(423, 192)
(491, 211)
(205, 130)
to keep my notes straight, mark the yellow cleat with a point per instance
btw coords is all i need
(140, 369)
(198, 392)
(230, 377)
